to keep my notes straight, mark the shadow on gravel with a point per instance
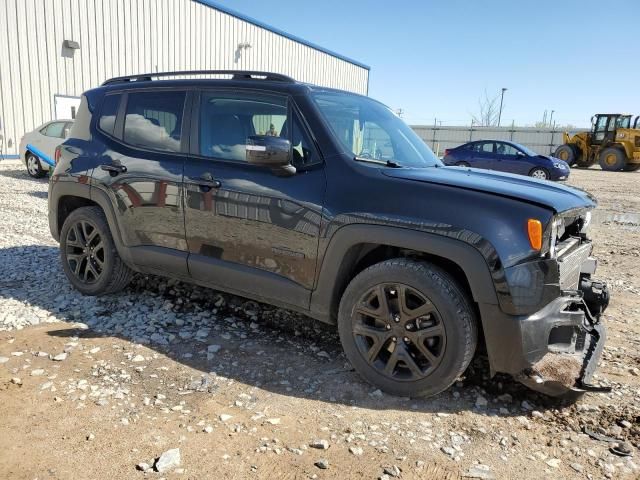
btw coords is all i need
(255, 344)
(38, 194)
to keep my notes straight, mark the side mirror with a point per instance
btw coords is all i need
(271, 152)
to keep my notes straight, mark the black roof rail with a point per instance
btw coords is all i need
(236, 75)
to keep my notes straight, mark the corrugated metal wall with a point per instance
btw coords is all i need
(541, 140)
(120, 37)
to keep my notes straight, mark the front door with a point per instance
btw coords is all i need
(604, 129)
(244, 223)
(140, 168)
(511, 159)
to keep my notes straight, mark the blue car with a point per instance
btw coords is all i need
(507, 157)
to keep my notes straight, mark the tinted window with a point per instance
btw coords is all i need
(107, 120)
(54, 129)
(226, 120)
(154, 120)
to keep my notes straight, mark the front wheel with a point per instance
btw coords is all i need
(34, 167)
(539, 173)
(632, 167)
(88, 253)
(567, 153)
(407, 327)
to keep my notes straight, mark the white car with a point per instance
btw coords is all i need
(37, 148)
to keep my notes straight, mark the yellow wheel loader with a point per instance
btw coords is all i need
(613, 142)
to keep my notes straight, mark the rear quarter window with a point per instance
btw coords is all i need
(108, 113)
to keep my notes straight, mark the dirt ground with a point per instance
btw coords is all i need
(244, 390)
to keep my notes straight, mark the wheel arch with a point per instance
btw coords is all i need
(67, 198)
(356, 247)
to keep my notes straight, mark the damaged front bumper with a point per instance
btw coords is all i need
(555, 350)
(572, 335)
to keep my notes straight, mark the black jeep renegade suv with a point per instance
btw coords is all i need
(325, 202)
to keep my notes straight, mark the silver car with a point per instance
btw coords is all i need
(37, 148)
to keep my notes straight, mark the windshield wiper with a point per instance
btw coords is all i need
(386, 163)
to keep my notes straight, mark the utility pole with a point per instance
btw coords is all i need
(551, 118)
(501, 99)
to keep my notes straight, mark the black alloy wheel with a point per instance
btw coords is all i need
(399, 332)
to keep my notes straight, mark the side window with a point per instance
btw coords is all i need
(483, 147)
(505, 149)
(54, 129)
(108, 112)
(154, 120)
(304, 152)
(227, 119)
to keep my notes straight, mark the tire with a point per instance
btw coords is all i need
(34, 167)
(462, 164)
(613, 159)
(446, 328)
(568, 153)
(539, 173)
(86, 232)
(632, 167)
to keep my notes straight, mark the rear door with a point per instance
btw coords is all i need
(483, 155)
(249, 230)
(140, 167)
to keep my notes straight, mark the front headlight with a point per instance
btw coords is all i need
(557, 231)
(586, 222)
(557, 165)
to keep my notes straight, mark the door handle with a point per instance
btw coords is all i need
(206, 180)
(113, 169)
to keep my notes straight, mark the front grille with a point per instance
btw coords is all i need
(570, 264)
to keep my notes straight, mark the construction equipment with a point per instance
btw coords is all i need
(613, 142)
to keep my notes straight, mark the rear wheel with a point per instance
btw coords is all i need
(568, 153)
(34, 168)
(539, 173)
(632, 167)
(89, 256)
(613, 159)
(407, 327)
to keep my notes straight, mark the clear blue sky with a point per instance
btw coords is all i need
(436, 58)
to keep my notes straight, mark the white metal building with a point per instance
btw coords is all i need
(56, 49)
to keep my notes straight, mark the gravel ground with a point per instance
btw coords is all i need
(167, 380)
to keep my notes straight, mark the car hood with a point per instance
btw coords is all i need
(557, 197)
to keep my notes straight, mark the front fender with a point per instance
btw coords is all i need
(336, 261)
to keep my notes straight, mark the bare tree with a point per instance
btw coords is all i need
(489, 111)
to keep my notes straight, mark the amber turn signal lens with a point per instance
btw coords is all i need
(534, 229)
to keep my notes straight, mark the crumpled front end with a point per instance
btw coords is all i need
(555, 349)
(574, 335)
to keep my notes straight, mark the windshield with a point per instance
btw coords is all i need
(369, 130)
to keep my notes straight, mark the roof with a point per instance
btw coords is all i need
(245, 18)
